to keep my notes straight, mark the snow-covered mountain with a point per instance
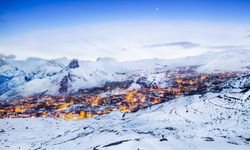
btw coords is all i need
(10, 76)
(229, 60)
(19, 78)
(215, 119)
(210, 121)
(15, 74)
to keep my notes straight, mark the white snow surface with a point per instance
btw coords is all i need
(186, 123)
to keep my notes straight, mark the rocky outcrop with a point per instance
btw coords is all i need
(2, 62)
(74, 64)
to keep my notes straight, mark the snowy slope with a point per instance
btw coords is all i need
(229, 60)
(196, 122)
(16, 73)
(10, 76)
(87, 75)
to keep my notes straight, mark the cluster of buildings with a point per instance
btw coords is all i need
(86, 106)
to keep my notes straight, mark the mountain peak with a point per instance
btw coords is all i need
(106, 59)
(74, 64)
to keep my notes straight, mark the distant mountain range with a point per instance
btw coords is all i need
(34, 76)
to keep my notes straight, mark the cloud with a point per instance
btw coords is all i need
(123, 49)
(34, 58)
(7, 56)
(108, 39)
(182, 44)
(247, 36)
(228, 47)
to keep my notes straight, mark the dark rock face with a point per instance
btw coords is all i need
(4, 78)
(163, 139)
(208, 139)
(4, 83)
(65, 83)
(74, 64)
(120, 84)
(143, 82)
(116, 143)
(27, 78)
(2, 62)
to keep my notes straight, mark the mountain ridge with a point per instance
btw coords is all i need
(47, 75)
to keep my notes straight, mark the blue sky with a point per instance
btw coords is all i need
(22, 18)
